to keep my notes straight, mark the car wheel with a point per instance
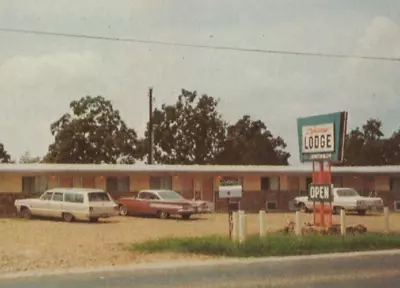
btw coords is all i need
(93, 219)
(163, 215)
(186, 216)
(68, 217)
(25, 213)
(303, 207)
(336, 210)
(361, 212)
(123, 211)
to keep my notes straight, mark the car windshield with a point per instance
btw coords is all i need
(347, 193)
(98, 197)
(170, 195)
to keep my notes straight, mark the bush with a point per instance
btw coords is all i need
(275, 244)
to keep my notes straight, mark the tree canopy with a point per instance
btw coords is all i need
(4, 156)
(94, 133)
(249, 142)
(192, 131)
(367, 146)
(27, 158)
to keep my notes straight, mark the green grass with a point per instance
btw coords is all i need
(275, 244)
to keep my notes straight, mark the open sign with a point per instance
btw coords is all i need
(320, 192)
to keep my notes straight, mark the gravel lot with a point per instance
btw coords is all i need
(48, 244)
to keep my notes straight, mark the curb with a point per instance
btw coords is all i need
(191, 264)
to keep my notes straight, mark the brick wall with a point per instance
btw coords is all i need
(254, 201)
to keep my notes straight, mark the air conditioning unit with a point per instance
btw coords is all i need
(271, 205)
(396, 205)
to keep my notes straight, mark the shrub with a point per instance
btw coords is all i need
(274, 244)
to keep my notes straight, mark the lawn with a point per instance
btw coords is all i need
(274, 244)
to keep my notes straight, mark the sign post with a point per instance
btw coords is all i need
(321, 141)
(231, 190)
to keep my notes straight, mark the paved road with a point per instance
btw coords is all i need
(366, 271)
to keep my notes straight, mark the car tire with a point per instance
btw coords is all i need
(361, 212)
(94, 219)
(123, 211)
(163, 215)
(303, 208)
(186, 216)
(336, 210)
(68, 217)
(25, 213)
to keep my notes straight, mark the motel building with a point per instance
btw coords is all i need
(264, 187)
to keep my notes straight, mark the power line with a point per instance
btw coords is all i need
(181, 44)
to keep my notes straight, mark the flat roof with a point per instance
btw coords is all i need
(120, 168)
(74, 190)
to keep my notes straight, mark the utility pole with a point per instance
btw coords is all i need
(151, 138)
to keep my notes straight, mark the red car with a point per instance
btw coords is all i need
(161, 203)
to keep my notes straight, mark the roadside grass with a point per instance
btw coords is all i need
(274, 244)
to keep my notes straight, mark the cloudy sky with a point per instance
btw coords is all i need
(40, 75)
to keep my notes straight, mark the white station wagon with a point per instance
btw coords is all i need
(69, 204)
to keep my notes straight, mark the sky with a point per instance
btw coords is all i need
(41, 75)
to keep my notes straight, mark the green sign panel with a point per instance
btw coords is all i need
(320, 192)
(321, 137)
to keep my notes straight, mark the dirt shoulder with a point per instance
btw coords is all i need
(47, 244)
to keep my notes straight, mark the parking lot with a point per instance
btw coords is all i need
(48, 244)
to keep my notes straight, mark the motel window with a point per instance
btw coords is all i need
(337, 181)
(275, 183)
(308, 182)
(33, 185)
(160, 182)
(270, 183)
(118, 184)
(395, 184)
(265, 183)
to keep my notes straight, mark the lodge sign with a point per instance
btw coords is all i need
(318, 138)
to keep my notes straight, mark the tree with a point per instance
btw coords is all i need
(93, 133)
(28, 159)
(249, 142)
(191, 131)
(4, 156)
(367, 146)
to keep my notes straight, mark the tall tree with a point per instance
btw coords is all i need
(4, 156)
(93, 133)
(191, 131)
(249, 142)
(27, 158)
(366, 146)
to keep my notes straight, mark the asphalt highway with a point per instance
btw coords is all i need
(366, 271)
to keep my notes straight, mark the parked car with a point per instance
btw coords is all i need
(161, 203)
(344, 198)
(69, 204)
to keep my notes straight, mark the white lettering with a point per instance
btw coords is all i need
(319, 192)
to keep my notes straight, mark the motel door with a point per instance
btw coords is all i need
(207, 189)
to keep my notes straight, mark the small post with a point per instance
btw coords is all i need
(386, 219)
(235, 228)
(298, 224)
(262, 223)
(242, 226)
(342, 222)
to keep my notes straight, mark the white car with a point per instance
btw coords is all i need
(69, 204)
(344, 198)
